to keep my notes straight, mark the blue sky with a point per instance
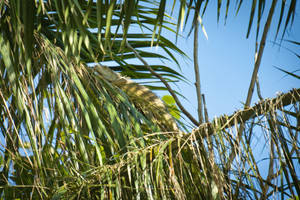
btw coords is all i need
(226, 60)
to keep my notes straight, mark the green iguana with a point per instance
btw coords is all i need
(151, 105)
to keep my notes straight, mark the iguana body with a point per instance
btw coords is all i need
(151, 105)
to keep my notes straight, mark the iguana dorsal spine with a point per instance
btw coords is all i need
(151, 104)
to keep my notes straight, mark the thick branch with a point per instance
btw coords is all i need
(240, 117)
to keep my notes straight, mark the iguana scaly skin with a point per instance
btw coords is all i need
(151, 105)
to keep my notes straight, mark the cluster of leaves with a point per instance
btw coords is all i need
(67, 134)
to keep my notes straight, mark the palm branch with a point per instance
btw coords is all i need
(66, 133)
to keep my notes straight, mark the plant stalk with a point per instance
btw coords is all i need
(197, 74)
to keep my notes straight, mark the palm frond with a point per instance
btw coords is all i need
(67, 133)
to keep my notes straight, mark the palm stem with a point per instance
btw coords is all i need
(254, 76)
(197, 74)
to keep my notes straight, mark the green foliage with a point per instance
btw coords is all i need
(66, 133)
(170, 102)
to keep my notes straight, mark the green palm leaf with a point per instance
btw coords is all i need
(68, 133)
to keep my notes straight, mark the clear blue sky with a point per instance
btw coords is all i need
(226, 60)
